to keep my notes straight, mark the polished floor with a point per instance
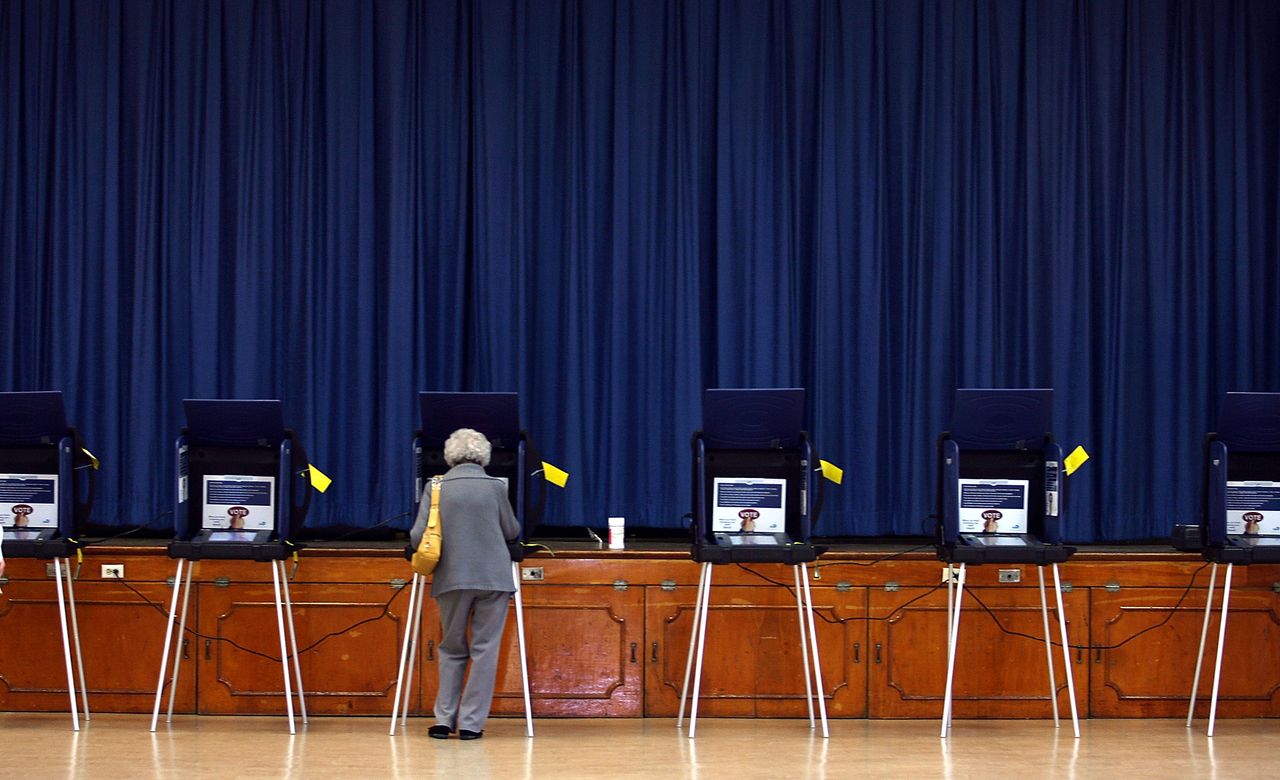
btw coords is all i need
(120, 746)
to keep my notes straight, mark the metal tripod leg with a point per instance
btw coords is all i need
(168, 637)
(284, 652)
(524, 658)
(293, 640)
(177, 644)
(952, 636)
(402, 692)
(1066, 654)
(813, 643)
(75, 632)
(693, 639)
(804, 645)
(702, 646)
(1222, 637)
(1048, 648)
(66, 642)
(1204, 633)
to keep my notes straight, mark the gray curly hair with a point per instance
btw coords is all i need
(467, 445)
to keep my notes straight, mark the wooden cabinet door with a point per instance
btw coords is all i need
(753, 665)
(996, 675)
(121, 638)
(585, 651)
(351, 673)
(1150, 675)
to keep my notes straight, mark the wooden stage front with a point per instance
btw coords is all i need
(609, 632)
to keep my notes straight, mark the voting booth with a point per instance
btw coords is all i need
(497, 416)
(241, 488)
(1000, 501)
(1240, 518)
(753, 502)
(46, 493)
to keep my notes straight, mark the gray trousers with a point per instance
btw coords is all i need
(486, 611)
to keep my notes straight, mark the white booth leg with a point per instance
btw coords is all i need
(177, 644)
(693, 640)
(1204, 633)
(66, 642)
(953, 632)
(414, 647)
(1048, 648)
(813, 643)
(702, 646)
(1066, 654)
(1222, 637)
(168, 636)
(75, 632)
(293, 640)
(401, 689)
(524, 658)
(804, 645)
(284, 652)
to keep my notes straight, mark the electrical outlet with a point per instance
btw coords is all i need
(955, 574)
(531, 574)
(1011, 575)
(113, 571)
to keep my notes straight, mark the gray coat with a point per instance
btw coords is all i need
(476, 522)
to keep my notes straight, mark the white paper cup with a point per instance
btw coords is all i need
(616, 527)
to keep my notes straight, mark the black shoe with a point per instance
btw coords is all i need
(439, 732)
(464, 734)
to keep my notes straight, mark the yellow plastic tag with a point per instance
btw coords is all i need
(555, 476)
(1075, 460)
(831, 471)
(319, 480)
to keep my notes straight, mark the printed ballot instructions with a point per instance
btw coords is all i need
(239, 501)
(1253, 508)
(29, 500)
(993, 506)
(749, 505)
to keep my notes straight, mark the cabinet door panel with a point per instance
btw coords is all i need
(121, 637)
(352, 672)
(754, 660)
(584, 650)
(997, 675)
(1150, 675)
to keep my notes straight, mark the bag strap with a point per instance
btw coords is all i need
(433, 514)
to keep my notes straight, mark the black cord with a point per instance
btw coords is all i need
(385, 609)
(842, 621)
(890, 557)
(132, 530)
(1172, 610)
(364, 529)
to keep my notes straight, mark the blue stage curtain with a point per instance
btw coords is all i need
(608, 206)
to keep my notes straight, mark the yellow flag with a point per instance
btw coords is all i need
(831, 471)
(1075, 460)
(555, 476)
(92, 459)
(319, 480)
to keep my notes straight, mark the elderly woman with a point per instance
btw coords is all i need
(472, 582)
